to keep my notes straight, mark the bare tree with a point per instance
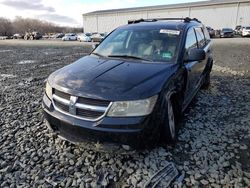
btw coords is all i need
(22, 25)
(5, 27)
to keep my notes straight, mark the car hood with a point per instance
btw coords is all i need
(112, 79)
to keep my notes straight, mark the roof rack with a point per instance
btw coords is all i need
(187, 19)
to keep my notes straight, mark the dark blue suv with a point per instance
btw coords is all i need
(134, 86)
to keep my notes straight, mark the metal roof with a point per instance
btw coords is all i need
(171, 6)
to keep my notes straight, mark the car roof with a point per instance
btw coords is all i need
(175, 25)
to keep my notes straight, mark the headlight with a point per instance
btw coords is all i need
(48, 90)
(132, 108)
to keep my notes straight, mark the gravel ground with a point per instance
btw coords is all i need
(213, 148)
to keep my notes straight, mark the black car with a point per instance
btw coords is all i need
(227, 33)
(133, 87)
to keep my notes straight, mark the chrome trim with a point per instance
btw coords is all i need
(82, 118)
(81, 106)
(90, 107)
(73, 100)
(62, 100)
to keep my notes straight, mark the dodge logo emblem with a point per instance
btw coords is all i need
(72, 108)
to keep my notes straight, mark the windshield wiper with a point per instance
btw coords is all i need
(129, 57)
(97, 54)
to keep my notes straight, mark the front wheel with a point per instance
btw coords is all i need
(170, 121)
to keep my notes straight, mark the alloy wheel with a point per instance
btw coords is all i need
(171, 119)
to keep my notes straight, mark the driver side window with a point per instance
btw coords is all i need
(191, 41)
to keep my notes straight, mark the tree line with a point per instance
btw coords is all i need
(21, 25)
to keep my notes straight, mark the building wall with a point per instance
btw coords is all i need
(216, 16)
(244, 14)
(90, 24)
(182, 12)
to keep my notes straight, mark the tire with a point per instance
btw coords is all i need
(206, 82)
(25, 38)
(31, 38)
(170, 124)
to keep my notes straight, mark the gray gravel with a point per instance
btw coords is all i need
(213, 148)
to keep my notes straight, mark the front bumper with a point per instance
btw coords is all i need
(227, 35)
(107, 131)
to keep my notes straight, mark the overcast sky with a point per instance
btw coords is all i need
(68, 12)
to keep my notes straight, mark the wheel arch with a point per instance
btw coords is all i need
(176, 87)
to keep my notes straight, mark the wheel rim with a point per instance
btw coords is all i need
(171, 120)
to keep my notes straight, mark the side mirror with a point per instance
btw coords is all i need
(196, 55)
(94, 46)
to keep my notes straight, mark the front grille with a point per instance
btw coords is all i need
(62, 94)
(94, 102)
(88, 113)
(61, 106)
(80, 107)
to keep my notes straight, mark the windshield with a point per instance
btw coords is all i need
(227, 29)
(157, 45)
(248, 28)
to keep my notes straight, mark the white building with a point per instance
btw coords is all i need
(214, 13)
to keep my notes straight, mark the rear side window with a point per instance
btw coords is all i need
(207, 36)
(191, 41)
(200, 37)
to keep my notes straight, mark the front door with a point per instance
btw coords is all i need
(193, 67)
